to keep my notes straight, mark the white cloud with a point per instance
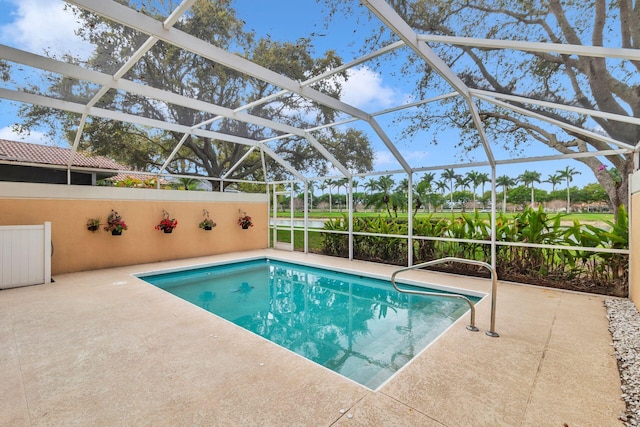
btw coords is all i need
(385, 160)
(34, 137)
(364, 88)
(43, 25)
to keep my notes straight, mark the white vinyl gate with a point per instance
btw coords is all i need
(25, 255)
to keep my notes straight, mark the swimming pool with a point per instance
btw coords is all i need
(357, 326)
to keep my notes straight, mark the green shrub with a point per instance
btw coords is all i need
(598, 272)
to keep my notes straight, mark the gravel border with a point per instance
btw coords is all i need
(624, 325)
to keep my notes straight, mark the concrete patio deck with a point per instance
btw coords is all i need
(105, 348)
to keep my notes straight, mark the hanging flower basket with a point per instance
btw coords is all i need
(115, 224)
(207, 223)
(244, 220)
(93, 224)
(167, 224)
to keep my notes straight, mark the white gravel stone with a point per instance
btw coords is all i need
(624, 325)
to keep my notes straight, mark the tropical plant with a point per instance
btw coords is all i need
(530, 261)
(342, 182)
(187, 184)
(330, 184)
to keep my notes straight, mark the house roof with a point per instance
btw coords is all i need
(52, 155)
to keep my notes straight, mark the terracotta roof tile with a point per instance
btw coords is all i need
(52, 155)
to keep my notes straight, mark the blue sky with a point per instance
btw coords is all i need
(39, 25)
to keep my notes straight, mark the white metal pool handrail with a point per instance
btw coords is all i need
(494, 288)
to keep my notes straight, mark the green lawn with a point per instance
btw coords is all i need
(582, 217)
(315, 242)
(315, 238)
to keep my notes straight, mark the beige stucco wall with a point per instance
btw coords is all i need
(634, 285)
(76, 249)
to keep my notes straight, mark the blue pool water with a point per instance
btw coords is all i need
(356, 326)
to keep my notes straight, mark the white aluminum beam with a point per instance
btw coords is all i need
(282, 162)
(558, 123)
(392, 148)
(391, 19)
(578, 110)
(113, 115)
(148, 25)
(139, 53)
(327, 155)
(239, 162)
(554, 157)
(72, 107)
(174, 152)
(106, 80)
(561, 49)
(145, 24)
(415, 104)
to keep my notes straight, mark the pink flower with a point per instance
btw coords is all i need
(602, 167)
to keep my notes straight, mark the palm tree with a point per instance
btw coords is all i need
(310, 186)
(441, 186)
(473, 177)
(567, 174)
(342, 182)
(400, 197)
(354, 187)
(382, 197)
(188, 183)
(554, 180)
(450, 175)
(505, 182)
(462, 182)
(330, 184)
(530, 178)
(322, 186)
(371, 186)
(424, 187)
(483, 178)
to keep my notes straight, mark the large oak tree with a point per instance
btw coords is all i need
(610, 85)
(173, 69)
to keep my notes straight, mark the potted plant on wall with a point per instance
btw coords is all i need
(244, 220)
(115, 224)
(167, 224)
(207, 223)
(93, 224)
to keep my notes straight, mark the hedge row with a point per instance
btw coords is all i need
(596, 272)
